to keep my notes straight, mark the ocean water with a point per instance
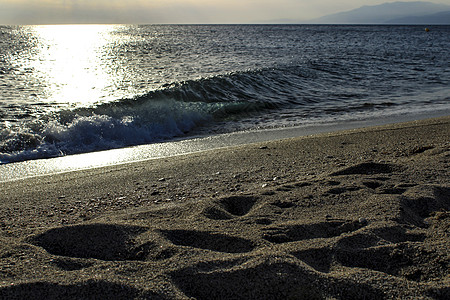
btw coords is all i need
(68, 89)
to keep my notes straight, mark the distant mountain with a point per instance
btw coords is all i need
(438, 18)
(392, 13)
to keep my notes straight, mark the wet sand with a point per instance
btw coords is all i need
(357, 214)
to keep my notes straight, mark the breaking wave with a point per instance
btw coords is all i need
(172, 111)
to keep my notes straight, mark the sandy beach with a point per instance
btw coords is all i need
(356, 214)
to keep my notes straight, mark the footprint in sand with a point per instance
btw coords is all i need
(283, 204)
(368, 168)
(372, 184)
(381, 249)
(298, 232)
(290, 187)
(230, 207)
(402, 259)
(99, 241)
(251, 280)
(264, 278)
(420, 202)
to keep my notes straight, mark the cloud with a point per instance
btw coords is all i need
(141, 11)
(168, 11)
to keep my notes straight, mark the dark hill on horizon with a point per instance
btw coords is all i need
(438, 18)
(391, 13)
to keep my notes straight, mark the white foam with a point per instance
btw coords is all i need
(121, 127)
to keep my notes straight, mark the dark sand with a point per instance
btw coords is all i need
(359, 214)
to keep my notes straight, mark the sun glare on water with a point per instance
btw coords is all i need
(71, 62)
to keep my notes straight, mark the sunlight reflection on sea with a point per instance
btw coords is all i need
(73, 63)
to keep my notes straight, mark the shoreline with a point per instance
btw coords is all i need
(98, 159)
(360, 213)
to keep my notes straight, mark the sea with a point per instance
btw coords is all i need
(71, 89)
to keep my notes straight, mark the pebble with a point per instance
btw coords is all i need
(362, 220)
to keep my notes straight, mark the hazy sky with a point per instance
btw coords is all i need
(171, 11)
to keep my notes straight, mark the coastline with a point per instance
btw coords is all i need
(360, 213)
(98, 159)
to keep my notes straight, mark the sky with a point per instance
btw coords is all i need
(172, 11)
